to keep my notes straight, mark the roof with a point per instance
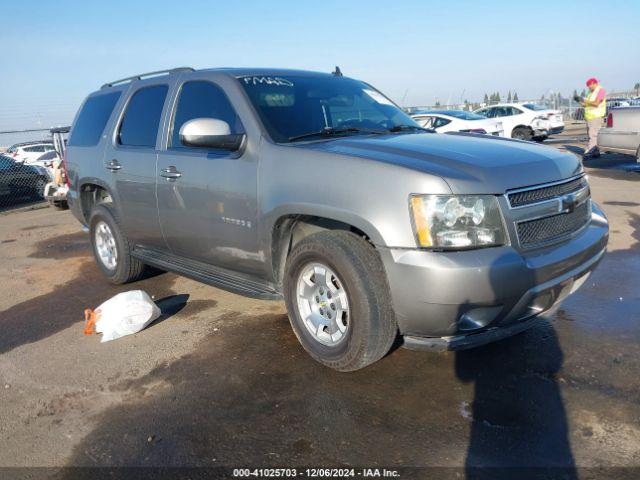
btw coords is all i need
(437, 112)
(284, 72)
(235, 72)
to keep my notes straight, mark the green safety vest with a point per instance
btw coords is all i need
(591, 112)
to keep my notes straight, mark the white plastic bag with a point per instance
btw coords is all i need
(124, 314)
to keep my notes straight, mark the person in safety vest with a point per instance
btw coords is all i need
(595, 109)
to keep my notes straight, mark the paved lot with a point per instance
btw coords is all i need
(221, 380)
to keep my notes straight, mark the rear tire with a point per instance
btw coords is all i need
(111, 247)
(358, 278)
(522, 133)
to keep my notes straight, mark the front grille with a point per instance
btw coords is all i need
(527, 197)
(533, 232)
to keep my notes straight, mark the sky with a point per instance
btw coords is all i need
(54, 53)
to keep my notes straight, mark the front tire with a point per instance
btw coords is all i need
(111, 247)
(338, 300)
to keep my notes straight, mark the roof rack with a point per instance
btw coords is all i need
(150, 74)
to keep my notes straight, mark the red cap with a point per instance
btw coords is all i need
(592, 80)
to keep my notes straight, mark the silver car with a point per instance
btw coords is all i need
(318, 189)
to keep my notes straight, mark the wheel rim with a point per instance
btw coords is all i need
(323, 304)
(106, 245)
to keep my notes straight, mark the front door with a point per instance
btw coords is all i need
(207, 198)
(131, 161)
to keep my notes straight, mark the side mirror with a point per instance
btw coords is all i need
(210, 133)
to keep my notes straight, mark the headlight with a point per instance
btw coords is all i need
(457, 221)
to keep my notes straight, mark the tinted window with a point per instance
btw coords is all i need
(141, 120)
(92, 119)
(440, 122)
(514, 111)
(202, 99)
(50, 155)
(534, 107)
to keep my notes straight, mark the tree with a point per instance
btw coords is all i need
(486, 99)
(515, 97)
(636, 87)
(509, 97)
(497, 97)
(437, 103)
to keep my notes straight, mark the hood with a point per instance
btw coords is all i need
(468, 163)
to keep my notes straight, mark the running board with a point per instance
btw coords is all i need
(205, 273)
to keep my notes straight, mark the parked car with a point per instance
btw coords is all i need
(56, 191)
(519, 122)
(318, 189)
(556, 122)
(443, 121)
(622, 132)
(18, 180)
(29, 151)
(45, 160)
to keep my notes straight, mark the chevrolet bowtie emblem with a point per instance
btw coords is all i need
(569, 203)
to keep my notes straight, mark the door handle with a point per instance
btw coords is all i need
(113, 165)
(170, 173)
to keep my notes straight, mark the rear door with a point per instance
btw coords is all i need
(130, 164)
(209, 212)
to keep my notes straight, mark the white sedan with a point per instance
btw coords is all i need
(443, 121)
(519, 122)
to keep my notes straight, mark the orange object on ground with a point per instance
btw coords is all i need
(90, 319)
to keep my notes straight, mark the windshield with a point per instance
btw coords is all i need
(534, 107)
(293, 106)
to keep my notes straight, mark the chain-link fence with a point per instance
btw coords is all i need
(29, 170)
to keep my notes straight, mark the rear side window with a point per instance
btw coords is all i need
(92, 119)
(139, 127)
(202, 99)
(440, 122)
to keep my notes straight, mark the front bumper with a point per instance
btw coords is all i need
(466, 298)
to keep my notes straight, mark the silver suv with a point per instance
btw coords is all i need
(318, 189)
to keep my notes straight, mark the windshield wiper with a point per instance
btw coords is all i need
(404, 128)
(331, 131)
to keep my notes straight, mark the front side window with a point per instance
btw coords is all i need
(93, 119)
(202, 99)
(291, 107)
(139, 127)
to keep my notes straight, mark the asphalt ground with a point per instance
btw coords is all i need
(220, 381)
